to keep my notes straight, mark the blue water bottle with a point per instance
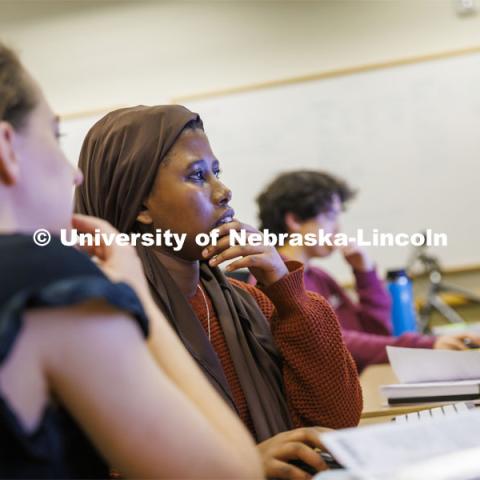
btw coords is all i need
(403, 310)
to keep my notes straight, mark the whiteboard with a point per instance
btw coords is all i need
(407, 137)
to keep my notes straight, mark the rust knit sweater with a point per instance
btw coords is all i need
(320, 376)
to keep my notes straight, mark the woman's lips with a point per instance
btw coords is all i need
(226, 218)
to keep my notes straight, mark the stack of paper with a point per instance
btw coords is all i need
(432, 392)
(433, 375)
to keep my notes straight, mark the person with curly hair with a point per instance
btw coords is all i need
(304, 202)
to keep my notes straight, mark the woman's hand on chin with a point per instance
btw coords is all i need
(263, 261)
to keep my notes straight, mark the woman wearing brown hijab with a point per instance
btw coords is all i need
(275, 355)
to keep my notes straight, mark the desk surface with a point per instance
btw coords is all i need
(371, 379)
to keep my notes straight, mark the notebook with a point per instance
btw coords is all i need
(410, 450)
(434, 413)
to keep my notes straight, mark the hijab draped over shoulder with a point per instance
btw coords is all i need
(120, 158)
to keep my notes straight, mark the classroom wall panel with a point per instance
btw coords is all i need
(405, 136)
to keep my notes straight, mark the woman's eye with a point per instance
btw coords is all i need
(201, 176)
(198, 175)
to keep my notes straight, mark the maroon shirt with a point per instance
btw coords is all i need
(366, 325)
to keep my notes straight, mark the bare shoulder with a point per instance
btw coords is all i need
(92, 327)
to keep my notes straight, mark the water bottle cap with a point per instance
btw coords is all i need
(396, 274)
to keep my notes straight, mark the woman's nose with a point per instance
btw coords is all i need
(222, 194)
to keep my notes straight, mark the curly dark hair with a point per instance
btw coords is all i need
(17, 97)
(305, 193)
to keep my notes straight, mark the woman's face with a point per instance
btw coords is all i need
(42, 191)
(188, 196)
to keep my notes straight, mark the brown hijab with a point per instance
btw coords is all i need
(120, 158)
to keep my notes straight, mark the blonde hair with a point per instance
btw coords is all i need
(17, 97)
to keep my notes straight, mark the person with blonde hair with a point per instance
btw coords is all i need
(91, 374)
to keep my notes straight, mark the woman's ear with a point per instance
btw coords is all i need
(144, 216)
(9, 169)
(292, 223)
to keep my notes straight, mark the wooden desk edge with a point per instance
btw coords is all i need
(404, 409)
(401, 410)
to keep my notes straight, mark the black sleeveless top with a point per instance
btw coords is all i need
(50, 276)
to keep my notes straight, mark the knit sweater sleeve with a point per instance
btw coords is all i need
(319, 374)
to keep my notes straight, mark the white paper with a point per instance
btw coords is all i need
(413, 365)
(454, 466)
(382, 451)
(430, 389)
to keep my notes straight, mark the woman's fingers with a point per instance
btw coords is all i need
(224, 230)
(300, 451)
(223, 251)
(285, 471)
(450, 342)
(259, 256)
(88, 249)
(293, 445)
(458, 341)
(234, 252)
(470, 339)
(92, 225)
(310, 436)
(95, 250)
(222, 244)
(223, 237)
(263, 260)
(252, 261)
(87, 224)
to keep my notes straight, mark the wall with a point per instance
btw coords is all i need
(89, 55)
